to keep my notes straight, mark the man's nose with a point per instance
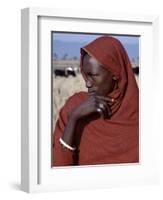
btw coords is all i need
(89, 84)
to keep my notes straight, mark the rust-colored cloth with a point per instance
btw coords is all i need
(104, 141)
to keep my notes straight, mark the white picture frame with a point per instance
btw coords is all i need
(36, 172)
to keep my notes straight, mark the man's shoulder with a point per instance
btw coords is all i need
(78, 97)
(80, 94)
(74, 100)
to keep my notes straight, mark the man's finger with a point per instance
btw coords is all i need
(106, 98)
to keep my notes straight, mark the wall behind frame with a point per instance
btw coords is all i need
(10, 96)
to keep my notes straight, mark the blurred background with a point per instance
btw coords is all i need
(67, 78)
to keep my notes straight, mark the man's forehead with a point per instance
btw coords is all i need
(93, 68)
(90, 63)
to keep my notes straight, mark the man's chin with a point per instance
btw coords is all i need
(92, 93)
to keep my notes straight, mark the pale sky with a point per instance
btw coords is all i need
(69, 37)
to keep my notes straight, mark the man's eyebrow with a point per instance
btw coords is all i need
(93, 73)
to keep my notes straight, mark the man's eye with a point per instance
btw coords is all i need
(93, 74)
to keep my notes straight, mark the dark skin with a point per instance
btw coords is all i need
(99, 82)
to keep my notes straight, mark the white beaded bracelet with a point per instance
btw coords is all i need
(66, 145)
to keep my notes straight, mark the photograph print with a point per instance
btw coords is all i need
(95, 99)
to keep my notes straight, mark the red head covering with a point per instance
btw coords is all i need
(120, 132)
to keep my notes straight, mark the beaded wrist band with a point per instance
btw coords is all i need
(66, 145)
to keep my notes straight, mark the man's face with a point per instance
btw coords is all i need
(98, 79)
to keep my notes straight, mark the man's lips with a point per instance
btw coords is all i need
(91, 91)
